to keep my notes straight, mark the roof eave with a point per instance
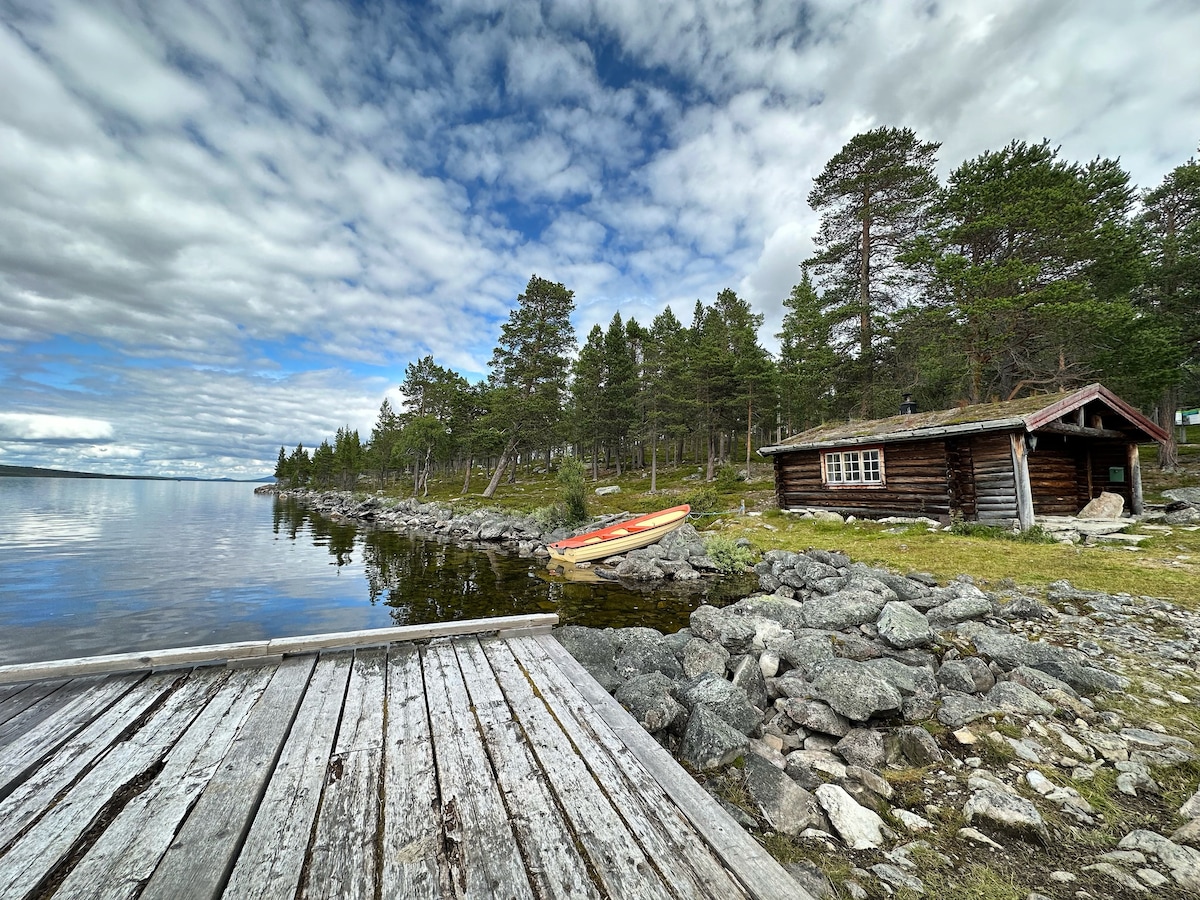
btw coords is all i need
(912, 434)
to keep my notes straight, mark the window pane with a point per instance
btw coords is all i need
(871, 465)
(852, 467)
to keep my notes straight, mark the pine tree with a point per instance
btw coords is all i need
(620, 385)
(529, 369)
(873, 197)
(808, 360)
(587, 388)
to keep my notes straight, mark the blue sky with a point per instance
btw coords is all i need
(226, 227)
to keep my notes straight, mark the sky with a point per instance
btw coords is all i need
(227, 227)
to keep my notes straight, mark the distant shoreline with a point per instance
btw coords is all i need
(34, 472)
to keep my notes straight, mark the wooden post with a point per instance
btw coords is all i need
(1135, 481)
(1021, 477)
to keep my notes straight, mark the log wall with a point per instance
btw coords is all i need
(915, 474)
(1055, 470)
(994, 482)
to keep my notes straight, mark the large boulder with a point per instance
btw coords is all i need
(1107, 506)
(703, 656)
(858, 826)
(594, 650)
(733, 633)
(640, 651)
(913, 745)
(814, 715)
(1006, 812)
(862, 747)
(843, 609)
(723, 698)
(806, 649)
(786, 806)
(788, 613)
(709, 742)
(854, 689)
(903, 627)
(649, 700)
(908, 680)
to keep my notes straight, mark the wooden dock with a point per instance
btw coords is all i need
(482, 762)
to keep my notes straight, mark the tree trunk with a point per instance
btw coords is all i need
(467, 477)
(501, 465)
(595, 461)
(712, 457)
(1168, 451)
(654, 463)
(618, 455)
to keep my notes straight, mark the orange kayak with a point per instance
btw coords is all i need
(621, 537)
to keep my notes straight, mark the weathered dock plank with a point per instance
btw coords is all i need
(37, 852)
(30, 694)
(201, 856)
(128, 850)
(60, 716)
(271, 860)
(549, 846)
(669, 838)
(342, 859)
(758, 872)
(32, 797)
(412, 822)
(248, 650)
(480, 848)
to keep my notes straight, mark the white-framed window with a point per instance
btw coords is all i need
(853, 467)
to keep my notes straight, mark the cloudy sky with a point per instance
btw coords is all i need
(226, 227)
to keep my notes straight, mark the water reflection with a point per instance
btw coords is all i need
(424, 578)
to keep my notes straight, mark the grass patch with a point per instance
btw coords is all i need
(730, 557)
(976, 882)
(1034, 535)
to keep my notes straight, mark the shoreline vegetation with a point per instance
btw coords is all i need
(887, 731)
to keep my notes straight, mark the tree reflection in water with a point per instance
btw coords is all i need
(424, 578)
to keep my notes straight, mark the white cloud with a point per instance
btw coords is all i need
(41, 427)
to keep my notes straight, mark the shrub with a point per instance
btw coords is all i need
(574, 489)
(729, 556)
(704, 500)
(728, 478)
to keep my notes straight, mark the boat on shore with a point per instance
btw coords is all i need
(620, 537)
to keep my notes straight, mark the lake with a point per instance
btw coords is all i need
(92, 566)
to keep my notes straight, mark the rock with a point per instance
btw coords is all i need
(640, 651)
(862, 747)
(1038, 681)
(913, 823)
(825, 515)
(860, 828)
(959, 609)
(709, 742)
(640, 568)
(701, 656)
(903, 627)
(914, 745)
(955, 676)
(733, 633)
(806, 649)
(721, 697)
(854, 690)
(1124, 879)
(843, 609)
(815, 716)
(810, 768)
(788, 613)
(608, 489)
(1191, 807)
(594, 650)
(1007, 812)
(1188, 833)
(648, 699)
(984, 679)
(978, 837)
(1013, 697)
(958, 710)
(786, 806)
(876, 784)
(810, 878)
(897, 879)
(748, 676)
(1106, 506)
(908, 680)
(1184, 862)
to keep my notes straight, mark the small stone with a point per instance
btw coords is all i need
(1039, 782)
(1191, 809)
(977, 837)
(859, 827)
(912, 822)
(1124, 879)
(1062, 877)
(1006, 812)
(966, 737)
(1124, 857)
(855, 890)
(862, 747)
(896, 878)
(1188, 833)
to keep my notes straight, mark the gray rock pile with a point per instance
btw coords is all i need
(836, 675)
(679, 556)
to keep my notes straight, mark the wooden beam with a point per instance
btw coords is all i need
(1020, 462)
(1082, 431)
(1136, 505)
(276, 647)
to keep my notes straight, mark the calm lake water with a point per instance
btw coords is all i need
(95, 566)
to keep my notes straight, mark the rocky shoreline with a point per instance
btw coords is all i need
(886, 735)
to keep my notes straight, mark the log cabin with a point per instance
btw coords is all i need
(996, 463)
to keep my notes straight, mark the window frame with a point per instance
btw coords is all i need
(846, 460)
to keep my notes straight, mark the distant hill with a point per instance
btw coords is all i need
(34, 472)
